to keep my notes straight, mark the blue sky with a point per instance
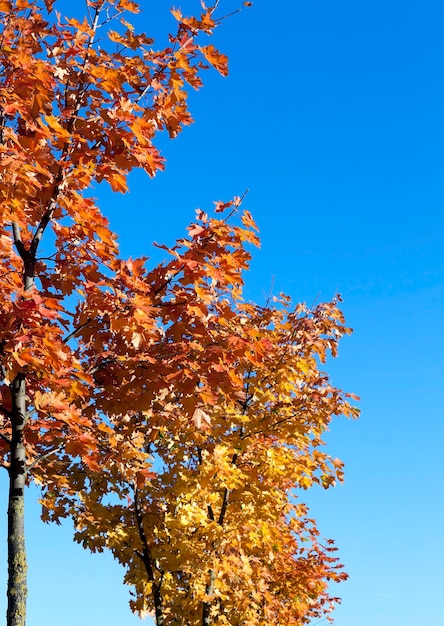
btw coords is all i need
(332, 117)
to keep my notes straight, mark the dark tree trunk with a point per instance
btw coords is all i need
(147, 561)
(17, 565)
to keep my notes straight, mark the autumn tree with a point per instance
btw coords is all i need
(81, 102)
(173, 421)
(216, 410)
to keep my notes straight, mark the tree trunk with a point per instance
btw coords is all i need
(147, 561)
(17, 565)
(206, 607)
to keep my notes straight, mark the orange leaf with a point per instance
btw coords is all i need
(218, 60)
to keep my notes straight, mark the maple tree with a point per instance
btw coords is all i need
(218, 421)
(81, 102)
(169, 418)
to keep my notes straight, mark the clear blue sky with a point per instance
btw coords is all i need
(333, 117)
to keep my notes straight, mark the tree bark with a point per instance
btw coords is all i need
(17, 588)
(17, 563)
(206, 606)
(147, 561)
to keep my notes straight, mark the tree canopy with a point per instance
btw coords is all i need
(171, 419)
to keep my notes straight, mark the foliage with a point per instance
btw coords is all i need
(72, 113)
(210, 413)
(171, 419)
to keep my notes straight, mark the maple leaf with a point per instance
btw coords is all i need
(200, 419)
(216, 59)
(195, 230)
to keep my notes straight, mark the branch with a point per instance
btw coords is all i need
(58, 251)
(223, 508)
(226, 496)
(42, 458)
(237, 205)
(46, 218)
(8, 441)
(203, 244)
(270, 428)
(2, 126)
(148, 562)
(18, 242)
(77, 330)
(210, 513)
(81, 87)
(207, 605)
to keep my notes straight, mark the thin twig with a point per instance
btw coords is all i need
(42, 458)
(77, 330)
